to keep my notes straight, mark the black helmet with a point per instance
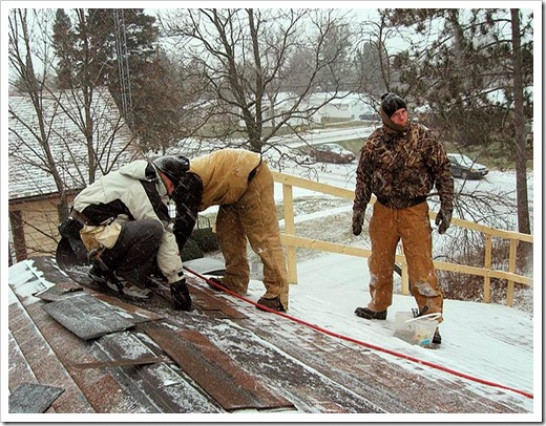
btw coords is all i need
(174, 166)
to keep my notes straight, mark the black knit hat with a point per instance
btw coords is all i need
(174, 167)
(390, 103)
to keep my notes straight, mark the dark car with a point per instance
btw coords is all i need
(465, 168)
(333, 153)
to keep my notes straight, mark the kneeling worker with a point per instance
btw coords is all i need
(123, 216)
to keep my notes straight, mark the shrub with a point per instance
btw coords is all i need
(460, 286)
(205, 239)
(191, 250)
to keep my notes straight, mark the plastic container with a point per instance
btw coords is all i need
(418, 330)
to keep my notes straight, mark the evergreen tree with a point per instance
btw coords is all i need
(477, 77)
(117, 48)
(64, 41)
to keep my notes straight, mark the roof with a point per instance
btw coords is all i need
(28, 170)
(223, 357)
(343, 98)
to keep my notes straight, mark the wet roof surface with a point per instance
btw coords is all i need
(223, 357)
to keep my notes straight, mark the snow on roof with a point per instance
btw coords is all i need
(465, 375)
(342, 97)
(63, 112)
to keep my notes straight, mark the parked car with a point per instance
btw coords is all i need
(333, 153)
(465, 168)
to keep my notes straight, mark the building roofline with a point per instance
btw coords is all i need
(40, 197)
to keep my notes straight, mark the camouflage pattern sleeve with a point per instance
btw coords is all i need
(363, 190)
(437, 161)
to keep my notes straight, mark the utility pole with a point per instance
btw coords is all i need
(123, 67)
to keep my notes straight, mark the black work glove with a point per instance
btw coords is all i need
(443, 219)
(181, 295)
(358, 220)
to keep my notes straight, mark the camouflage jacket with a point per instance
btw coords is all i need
(401, 168)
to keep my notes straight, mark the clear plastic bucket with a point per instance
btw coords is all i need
(418, 330)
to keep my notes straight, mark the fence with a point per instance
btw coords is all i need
(291, 241)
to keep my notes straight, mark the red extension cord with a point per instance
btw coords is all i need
(360, 342)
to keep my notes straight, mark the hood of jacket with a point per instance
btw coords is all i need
(136, 170)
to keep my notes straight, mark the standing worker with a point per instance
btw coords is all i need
(400, 163)
(240, 183)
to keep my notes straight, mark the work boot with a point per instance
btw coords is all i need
(437, 339)
(274, 304)
(215, 281)
(97, 274)
(223, 284)
(369, 314)
(132, 290)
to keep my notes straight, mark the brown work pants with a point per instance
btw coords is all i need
(412, 225)
(253, 216)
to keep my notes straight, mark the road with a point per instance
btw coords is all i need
(321, 136)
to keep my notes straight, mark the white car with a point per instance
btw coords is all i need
(464, 167)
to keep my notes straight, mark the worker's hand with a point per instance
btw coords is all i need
(358, 220)
(443, 219)
(181, 295)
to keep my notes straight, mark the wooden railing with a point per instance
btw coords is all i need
(291, 241)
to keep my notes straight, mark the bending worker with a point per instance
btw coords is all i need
(240, 183)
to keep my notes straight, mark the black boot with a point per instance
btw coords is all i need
(369, 314)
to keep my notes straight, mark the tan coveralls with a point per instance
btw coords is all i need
(412, 225)
(242, 185)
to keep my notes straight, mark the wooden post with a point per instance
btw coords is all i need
(405, 278)
(290, 229)
(18, 232)
(487, 265)
(511, 268)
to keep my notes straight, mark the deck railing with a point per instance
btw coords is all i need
(291, 241)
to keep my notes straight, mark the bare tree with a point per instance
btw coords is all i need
(246, 56)
(68, 136)
(372, 62)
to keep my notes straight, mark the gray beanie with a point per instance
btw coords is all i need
(390, 103)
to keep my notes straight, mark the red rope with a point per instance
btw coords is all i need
(360, 342)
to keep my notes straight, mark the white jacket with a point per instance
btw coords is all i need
(124, 188)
